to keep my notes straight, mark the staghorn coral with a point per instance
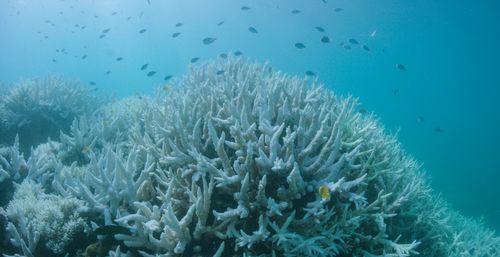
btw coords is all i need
(230, 165)
(41, 107)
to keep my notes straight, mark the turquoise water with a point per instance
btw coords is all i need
(450, 49)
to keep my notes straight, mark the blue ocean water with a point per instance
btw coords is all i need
(450, 50)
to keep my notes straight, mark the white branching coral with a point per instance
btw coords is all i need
(230, 164)
(35, 216)
(43, 105)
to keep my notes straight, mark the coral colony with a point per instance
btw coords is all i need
(247, 162)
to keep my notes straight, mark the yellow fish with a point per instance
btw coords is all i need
(167, 88)
(86, 149)
(324, 192)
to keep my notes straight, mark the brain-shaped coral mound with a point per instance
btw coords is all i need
(42, 107)
(253, 162)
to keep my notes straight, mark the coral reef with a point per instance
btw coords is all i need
(230, 164)
(41, 107)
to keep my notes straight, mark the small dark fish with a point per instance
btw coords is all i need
(320, 29)
(54, 60)
(144, 66)
(113, 13)
(179, 24)
(324, 1)
(83, 27)
(338, 9)
(112, 230)
(106, 30)
(310, 73)
(353, 41)
(295, 11)
(220, 72)
(84, 57)
(325, 39)
(438, 129)
(220, 23)
(119, 59)
(366, 48)
(168, 77)
(102, 36)
(420, 119)
(223, 55)
(195, 59)
(245, 8)
(208, 40)
(238, 53)
(363, 111)
(347, 47)
(401, 67)
(142, 30)
(299, 46)
(253, 30)
(176, 34)
(151, 73)
(108, 72)
(395, 91)
(92, 83)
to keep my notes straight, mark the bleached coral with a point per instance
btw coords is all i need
(44, 105)
(230, 164)
(35, 216)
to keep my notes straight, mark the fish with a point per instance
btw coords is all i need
(420, 119)
(320, 29)
(295, 11)
(84, 57)
(106, 30)
(149, 2)
(324, 192)
(347, 47)
(176, 34)
(223, 55)
(366, 48)
(300, 45)
(438, 129)
(108, 72)
(142, 30)
(113, 13)
(338, 9)
(208, 40)
(195, 59)
(238, 53)
(353, 41)
(168, 77)
(92, 83)
(220, 23)
(245, 8)
(144, 66)
(179, 24)
(219, 72)
(253, 30)
(102, 36)
(151, 73)
(395, 91)
(167, 88)
(325, 39)
(54, 60)
(373, 33)
(401, 67)
(310, 73)
(119, 59)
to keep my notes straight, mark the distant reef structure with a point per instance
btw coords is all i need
(38, 108)
(244, 162)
